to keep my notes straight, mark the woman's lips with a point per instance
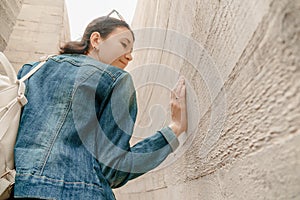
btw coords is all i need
(125, 63)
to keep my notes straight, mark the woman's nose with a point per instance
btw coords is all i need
(128, 56)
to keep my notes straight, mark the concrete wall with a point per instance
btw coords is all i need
(9, 10)
(241, 62)
(39, 29)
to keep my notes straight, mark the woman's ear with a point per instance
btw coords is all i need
(95, 40)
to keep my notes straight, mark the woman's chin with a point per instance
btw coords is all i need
(118, 65)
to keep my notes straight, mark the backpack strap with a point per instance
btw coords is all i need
(11, 73)
(44, 60)
(21, 91)
(16, 104)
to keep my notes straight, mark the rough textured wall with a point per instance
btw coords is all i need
(9, 10)
(241, 62)
(40, 27)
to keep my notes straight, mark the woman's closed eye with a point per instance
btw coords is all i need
(124, 44)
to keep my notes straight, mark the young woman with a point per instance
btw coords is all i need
(73, 140)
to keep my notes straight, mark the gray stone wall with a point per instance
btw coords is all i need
(9, 10)
(40, 28)
(241, 62)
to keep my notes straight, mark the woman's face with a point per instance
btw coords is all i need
(116, 48)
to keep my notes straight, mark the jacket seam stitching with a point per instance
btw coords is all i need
(62, 181)
(60, 124)
(113, 76)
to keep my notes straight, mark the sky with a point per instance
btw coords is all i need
(82, 12)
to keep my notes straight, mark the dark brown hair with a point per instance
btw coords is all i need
(103, 25)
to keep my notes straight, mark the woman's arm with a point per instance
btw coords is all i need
(109, 141)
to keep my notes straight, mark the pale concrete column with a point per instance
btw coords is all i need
(40, 28)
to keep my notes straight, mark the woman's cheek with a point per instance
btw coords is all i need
(109, 53)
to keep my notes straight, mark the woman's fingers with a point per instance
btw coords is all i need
(180, 88)
(179, 85)
(178, 107)
(173, 95)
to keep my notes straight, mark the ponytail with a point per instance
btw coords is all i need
(76, 47)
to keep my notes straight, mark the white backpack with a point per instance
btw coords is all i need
(12, 99)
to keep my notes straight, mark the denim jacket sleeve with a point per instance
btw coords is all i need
(119, 162)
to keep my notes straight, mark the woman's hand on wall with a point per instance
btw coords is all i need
(178, 107)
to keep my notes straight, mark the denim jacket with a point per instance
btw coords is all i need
(73, 139)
